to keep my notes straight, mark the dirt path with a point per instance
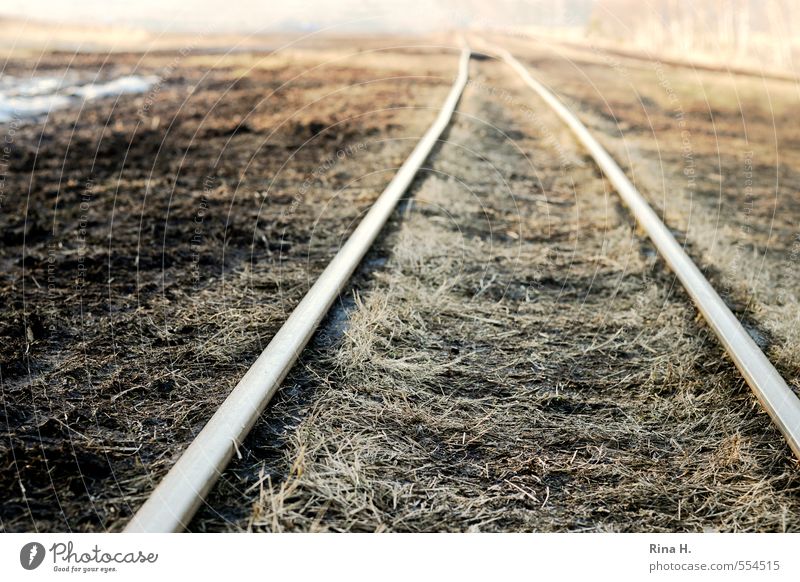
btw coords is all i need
(520, 361)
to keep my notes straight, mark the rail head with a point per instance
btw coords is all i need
(180, 493)
(769, 387)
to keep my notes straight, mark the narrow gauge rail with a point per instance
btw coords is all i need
(177, 497)
(770, 388)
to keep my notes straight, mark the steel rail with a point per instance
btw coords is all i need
(177, 497)
(775, 396)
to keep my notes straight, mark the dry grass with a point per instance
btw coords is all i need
(518, 367)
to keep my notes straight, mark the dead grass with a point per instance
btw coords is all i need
(488, 382)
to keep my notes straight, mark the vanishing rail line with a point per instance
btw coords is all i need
(770, 388)
(177, 497)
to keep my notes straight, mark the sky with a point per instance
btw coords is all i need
(268, 15)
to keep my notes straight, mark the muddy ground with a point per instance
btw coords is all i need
(512, 356)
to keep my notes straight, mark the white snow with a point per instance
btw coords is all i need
(35, 96)
(118, 86)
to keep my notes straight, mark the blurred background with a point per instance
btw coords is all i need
(762, 33)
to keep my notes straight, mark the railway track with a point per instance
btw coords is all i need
(175, 500)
